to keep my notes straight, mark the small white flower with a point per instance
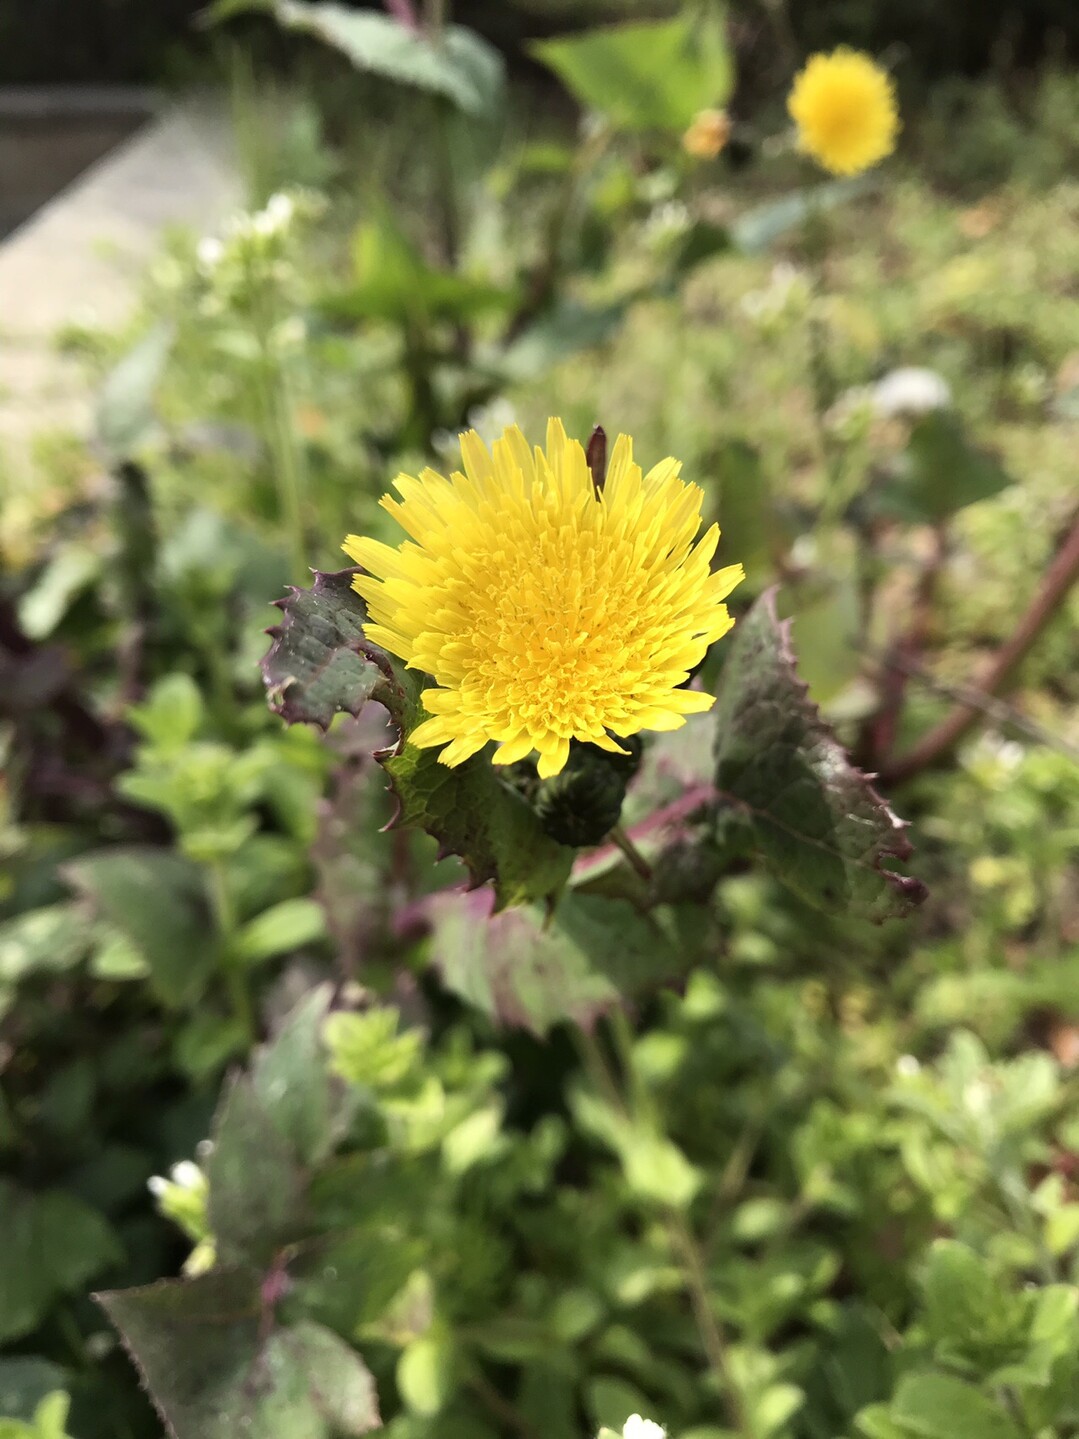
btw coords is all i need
(910, 391)
(637, 1428)
(280, 209)
(157, 1185)
(906, 1066)
(210, 252)
(187, 1174)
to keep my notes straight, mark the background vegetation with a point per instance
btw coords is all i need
(821, 1181)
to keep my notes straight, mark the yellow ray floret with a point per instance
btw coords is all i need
(845, 108)
(546, 612)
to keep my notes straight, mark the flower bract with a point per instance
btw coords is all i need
(546, 609)
(844, 106)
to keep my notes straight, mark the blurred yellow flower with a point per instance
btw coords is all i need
(546, 611)
(707, 135)
(844, 106)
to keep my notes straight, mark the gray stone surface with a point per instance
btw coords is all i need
(81, 258)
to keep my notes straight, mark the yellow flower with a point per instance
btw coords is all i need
(707, 135)
(546, 612)
(845, 108)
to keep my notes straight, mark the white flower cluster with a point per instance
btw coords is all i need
(186, 1176)
(908, 393)
(636, 1428)
(248, 233)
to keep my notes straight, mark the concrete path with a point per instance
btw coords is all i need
(81, 258)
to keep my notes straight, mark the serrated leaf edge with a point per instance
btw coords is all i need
(908, 889)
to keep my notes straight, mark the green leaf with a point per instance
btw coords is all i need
(366, 1049)
(199, 1347)
(759, 228)
(280, 929)
(460, 66)
(938, 1406)
(474, 815)
(394, 283)
(256, 1185)
(24, 1382)
(530, 970)
(125, 408)
(558, 333)
(71, 571)
(651, 75)
(48, 1421)
(426, 1373)
(290, 1078)
(158, 900)
(47, 940)
(815, 819)
(940, 473)
(53, 1243)
(320, 664)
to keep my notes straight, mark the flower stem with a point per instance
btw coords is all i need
(235, 976)
(621, 840)
(942, 739)
(708, 1327)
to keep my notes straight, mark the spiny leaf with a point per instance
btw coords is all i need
(320, 664)
(216, 1366)
(474, 815)
(532, 971)
(816, 820)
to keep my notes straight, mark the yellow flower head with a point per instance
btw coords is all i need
(707, 135)
(546, 612)
(845, 108)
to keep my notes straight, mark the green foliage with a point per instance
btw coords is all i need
(56, 1243)
(645, 75)
(647, 1122)
(199, 1345)
(459, 66)
(49, 1421)
(528, 968)
(815, 819)
(157, 900)
(940, 473)
(320, 664)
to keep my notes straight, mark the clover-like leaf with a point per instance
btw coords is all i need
(531, 970)
(816, 820)
(217, 1366)
(321, 664)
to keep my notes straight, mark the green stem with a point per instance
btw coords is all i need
(708, 1327)
(637, 862)
(276, 401)
(235, 975)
